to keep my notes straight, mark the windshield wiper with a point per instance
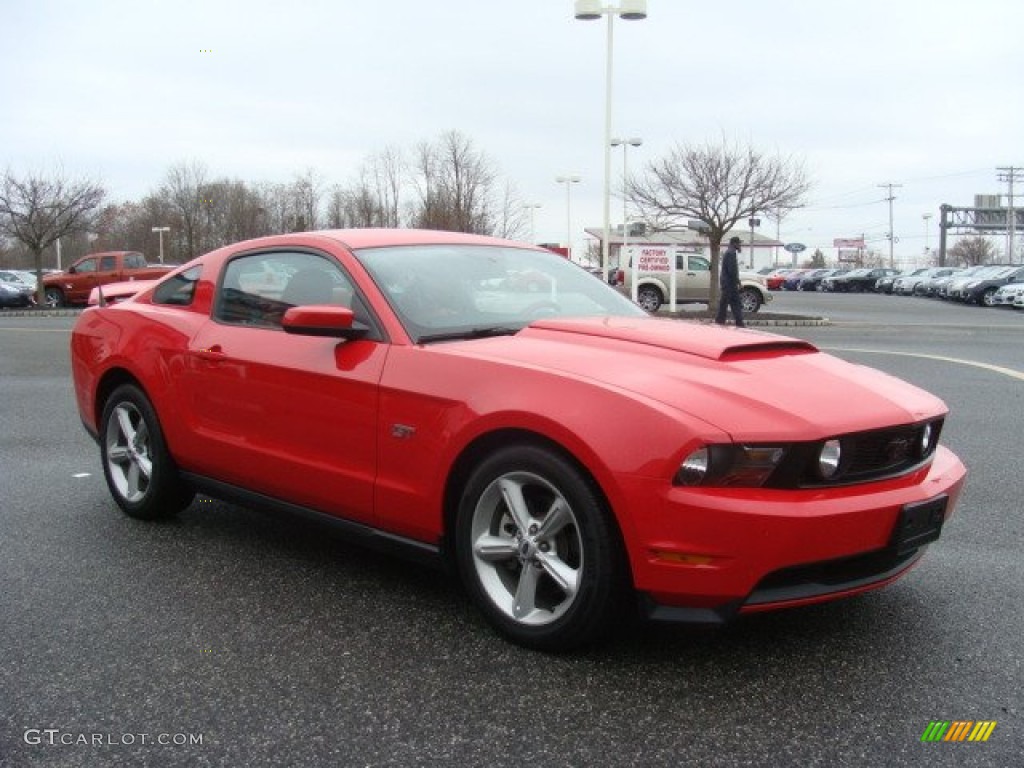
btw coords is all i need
(480, 332)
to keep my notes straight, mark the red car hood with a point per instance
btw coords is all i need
(754, 385)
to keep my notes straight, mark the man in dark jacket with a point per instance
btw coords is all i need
(729, 284)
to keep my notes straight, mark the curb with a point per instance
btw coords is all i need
(752, 321)
(40, 312)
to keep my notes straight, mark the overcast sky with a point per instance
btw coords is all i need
(923, 94)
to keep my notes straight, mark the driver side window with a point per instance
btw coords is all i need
(257, 289)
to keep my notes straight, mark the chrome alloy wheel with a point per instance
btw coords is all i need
(527, 549)
(129, 464)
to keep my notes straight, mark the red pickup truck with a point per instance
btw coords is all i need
(74, 285)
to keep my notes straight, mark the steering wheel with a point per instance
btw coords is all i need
(542, 309)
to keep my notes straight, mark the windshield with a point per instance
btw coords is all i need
(465, 291)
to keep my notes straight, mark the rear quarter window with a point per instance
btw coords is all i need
(178, 290)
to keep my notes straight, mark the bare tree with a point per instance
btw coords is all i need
(183, 189)
(719, 185)
(37, 210)
(305, 193)
(972, 251)
(455, 186)
(387, 170)
(511, 221)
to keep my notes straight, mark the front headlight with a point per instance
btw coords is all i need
(694, 468)
(747, 466)
(925, 445)
(972, 284)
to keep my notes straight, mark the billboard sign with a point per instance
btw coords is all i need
(848, 242)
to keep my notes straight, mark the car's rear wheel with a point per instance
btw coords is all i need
(649, 298)
(750, 300)
(54, 297)
(538, 550)
(140, 473)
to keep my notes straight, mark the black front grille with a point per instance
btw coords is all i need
(866, 457)
(882, 451)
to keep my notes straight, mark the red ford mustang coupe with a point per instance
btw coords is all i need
(569, 455)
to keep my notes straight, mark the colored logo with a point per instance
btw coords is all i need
(958, 730)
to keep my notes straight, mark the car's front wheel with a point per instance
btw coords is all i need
(750, 300)
(649, 297)
(140, 473)
(988, 298)
(54, 298)
(538, 550)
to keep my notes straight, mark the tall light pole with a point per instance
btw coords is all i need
(625, 144)
(532, 208)
(589, 10)
(1010, 174)
(161, 231)
(568, 180)
(892, 235)
(926, 217)
(754, 222)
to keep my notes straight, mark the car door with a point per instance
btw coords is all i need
(77, 290)
(697, 277)
(290, 416)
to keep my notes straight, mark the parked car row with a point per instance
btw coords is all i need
(988, 285)
(982, 285)
(831, 280)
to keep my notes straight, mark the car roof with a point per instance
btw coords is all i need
(370, 238)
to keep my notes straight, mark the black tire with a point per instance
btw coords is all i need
(750, 300)
(551, 590)
(140, 473)
(985, 300)
(649, 297)
(54, 297)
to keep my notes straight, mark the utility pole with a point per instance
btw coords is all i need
(892, 237)
(1010, 174)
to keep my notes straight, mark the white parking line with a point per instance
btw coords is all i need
(1013, 374)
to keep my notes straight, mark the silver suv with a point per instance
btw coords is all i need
(692, 278)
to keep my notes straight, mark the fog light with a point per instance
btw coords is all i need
(829, 457)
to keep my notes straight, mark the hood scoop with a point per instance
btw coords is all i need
(710, 342)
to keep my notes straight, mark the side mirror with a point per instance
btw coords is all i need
(323, 320)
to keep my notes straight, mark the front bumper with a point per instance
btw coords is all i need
(706, 555)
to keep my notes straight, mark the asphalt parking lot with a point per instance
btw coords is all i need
(229, 638)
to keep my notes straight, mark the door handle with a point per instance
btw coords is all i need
(212, 354)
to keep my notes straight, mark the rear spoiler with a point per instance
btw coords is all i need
(115, 293)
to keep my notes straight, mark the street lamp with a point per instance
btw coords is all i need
(589, 10)
(568, 181)
(161, 231)
(754, 222)
(625, 144)
(926, 217)
(532, 208)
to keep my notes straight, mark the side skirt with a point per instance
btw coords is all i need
(364, 535)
